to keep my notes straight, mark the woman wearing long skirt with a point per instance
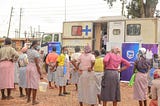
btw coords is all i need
(7, 54)
(87, 84)
(142, 65)
(22, 62)
(110, 90)
(61, 71)
(99, 72)
(74, 72)
(33, 72)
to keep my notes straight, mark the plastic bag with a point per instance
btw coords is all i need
(64, 70)
(131, 82)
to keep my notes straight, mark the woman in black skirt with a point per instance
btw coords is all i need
(110, 90)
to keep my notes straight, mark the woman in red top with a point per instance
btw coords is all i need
(110, 90)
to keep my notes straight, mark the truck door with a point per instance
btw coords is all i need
(115, 34)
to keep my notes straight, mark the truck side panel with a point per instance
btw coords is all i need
(77, 34)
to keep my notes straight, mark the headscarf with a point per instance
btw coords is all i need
(24, 49)
(115, 49)
(141, 52)
(87, 49)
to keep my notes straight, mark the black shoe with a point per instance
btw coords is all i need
(66, 93)
(61, 95)
(10, 97)
(22, 96)
(4, 97)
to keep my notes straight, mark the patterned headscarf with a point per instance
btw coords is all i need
(87, 49)
(157, 74)
(141, 53)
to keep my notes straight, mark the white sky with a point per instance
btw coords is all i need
(50, 14)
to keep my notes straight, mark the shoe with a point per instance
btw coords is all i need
(66, 93)
(4, 97)
(51, 87)
(10, 97)
(61, 95)
(35, 102)
(28, 100)
(22, 96)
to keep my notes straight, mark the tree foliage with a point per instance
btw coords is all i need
(110, 2)
(139, 8)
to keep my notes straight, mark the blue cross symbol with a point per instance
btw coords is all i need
(86, 30)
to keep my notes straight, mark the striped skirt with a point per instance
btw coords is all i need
(98, 79)
(110, 90)
(60, 77)
(51, 76)
(87, 91)
(33, 77)
(6, 74)
(140, 86)
(22, 77)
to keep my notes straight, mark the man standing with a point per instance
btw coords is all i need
(104, 40)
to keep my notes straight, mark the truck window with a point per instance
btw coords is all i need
(46, 38)
(116, 31)
(76, 30)
(133, 29)
(56, 37)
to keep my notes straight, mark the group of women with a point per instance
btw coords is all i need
(96, 76)
(30, 73)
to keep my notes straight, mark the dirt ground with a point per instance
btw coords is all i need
(51, 98)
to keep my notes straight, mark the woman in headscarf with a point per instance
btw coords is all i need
(33, 72)
(74, 72)
(110, 90)
(7, 54)
(155, 64)
(87, 84)
(22, 62)
(142, 65)
(99, 71)
(155, 89)
(61, 71)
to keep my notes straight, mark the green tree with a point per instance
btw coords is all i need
(139, 8)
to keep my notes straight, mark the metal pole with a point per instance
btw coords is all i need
(65, 11)
(10, 21)
(20, 22)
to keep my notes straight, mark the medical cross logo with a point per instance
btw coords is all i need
(86, 30)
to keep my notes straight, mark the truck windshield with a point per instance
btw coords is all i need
(46, 38)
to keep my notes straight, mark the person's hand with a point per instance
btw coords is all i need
(90, 69)
(41, 77)
(80, 71)
(119, 70)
